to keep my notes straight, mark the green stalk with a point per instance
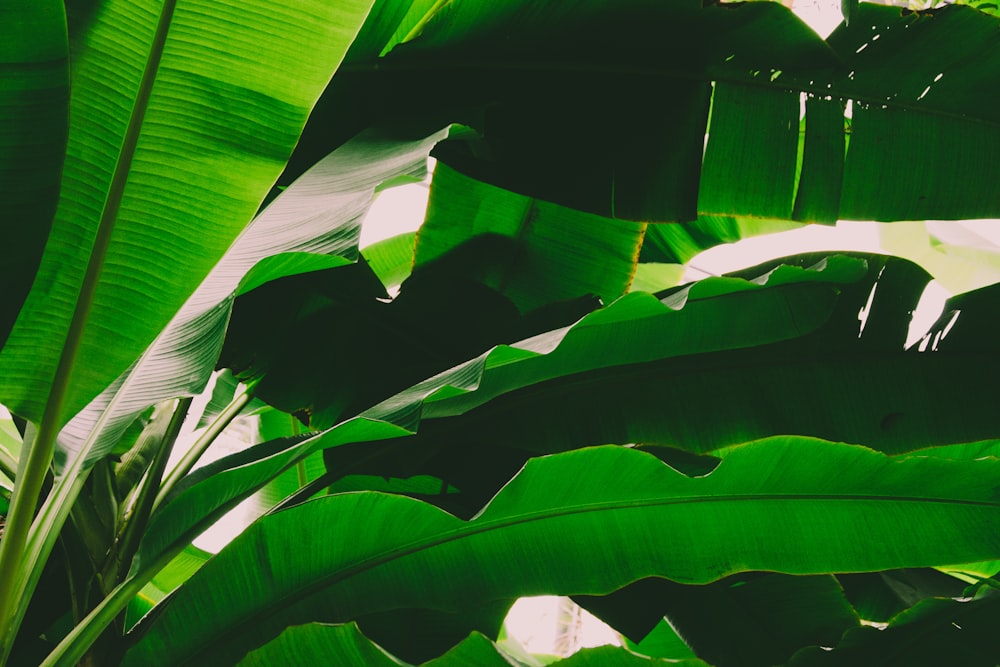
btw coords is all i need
(75, 645)
(300, 467)
(28, 486)
(14, 572)
(8, 464)
(191, 457)
(419, 27)
(142, 508)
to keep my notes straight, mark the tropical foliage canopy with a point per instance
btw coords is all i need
(522, 397)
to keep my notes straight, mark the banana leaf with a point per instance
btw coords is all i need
(571, 524)
(148, 195)
(878, 596)
(936, 631)
(34, 122)
(560, 253)
(605, 110)
(316, 643)
(756, 619)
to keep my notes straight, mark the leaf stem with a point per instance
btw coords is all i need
(142, 508)
(191, 457)
(73, 646)
(300, 467)
(422, 23)
(8, 464)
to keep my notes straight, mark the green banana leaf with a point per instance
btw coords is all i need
(661, 642)
(878, 596)
(885, 396)
(319, 644)
(569, 523)
(935, 94)
(391, 259)
(548, 83)
(934, 632)
(801, 301)
(572, 107)
(149, 202)
(678, 243)
(34, 122)
(757, 619)
(559, 253)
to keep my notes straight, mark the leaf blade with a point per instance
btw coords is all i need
(210, 92)
(579, 504)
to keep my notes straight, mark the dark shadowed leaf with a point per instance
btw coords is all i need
(346, 646)
(878, 596)
(757, 619)
(34, 97)
(934, 632)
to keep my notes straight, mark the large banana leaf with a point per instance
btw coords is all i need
(548, 83)
(605, 109)
(34, 69)
(149, 199)
(572, 523)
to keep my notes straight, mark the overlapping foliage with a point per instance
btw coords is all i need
(746, 470)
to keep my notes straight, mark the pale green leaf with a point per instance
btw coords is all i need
(174, 158)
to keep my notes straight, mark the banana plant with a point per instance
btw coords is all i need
(520, 398)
